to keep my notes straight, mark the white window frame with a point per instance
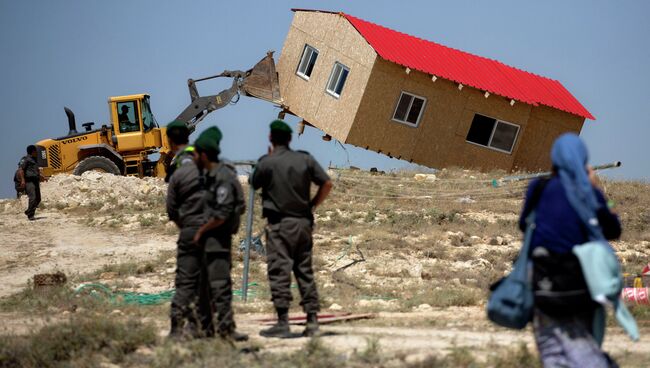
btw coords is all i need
(497, 122)
(408, 110)
(304, 53)
(329, 80)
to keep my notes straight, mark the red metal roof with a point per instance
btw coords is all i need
(467, 69)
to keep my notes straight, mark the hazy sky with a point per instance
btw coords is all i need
(78, 53)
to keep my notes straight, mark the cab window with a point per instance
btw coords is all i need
(148, 121)
(127, 116)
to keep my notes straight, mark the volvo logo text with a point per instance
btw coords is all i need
(73, 140)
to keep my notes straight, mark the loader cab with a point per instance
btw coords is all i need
(134, 125)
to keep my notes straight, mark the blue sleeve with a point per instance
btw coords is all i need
(526, 209)
(608, 221)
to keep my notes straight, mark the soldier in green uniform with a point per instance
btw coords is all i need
(285, 177)
(28, 177)
(190, 306)
(223, 206)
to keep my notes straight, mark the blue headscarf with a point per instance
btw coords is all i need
(569, 155)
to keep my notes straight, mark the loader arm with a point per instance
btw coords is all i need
(261, 82)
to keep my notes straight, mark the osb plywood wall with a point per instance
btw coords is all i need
(336, 40)
(440, 138)
(544, 126)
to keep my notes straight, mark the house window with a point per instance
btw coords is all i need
(409, 109)
(337, 79)
(307, 62)
(493, 133)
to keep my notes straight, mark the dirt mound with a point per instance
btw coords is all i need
(99, 192)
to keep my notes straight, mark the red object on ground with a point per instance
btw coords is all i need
(646, 270)
(465, 68)
(322, 318)
(637, 296)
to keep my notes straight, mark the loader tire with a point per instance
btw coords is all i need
(96, 163)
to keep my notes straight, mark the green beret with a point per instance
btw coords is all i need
(280, 125)
(177, 124)
(209, 139)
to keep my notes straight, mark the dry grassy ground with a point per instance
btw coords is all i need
(419, 251)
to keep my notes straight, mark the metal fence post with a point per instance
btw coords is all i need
(249, 237)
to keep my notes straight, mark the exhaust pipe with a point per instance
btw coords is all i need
(71, 123)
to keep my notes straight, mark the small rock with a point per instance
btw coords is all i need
(423, 308)
(425, 177)
(335, 307)
(466, 199)
(116, 312)
(416, 270)
(455, 239)
(170, 270)
(108, 365)
(108, 275)
(143, 350)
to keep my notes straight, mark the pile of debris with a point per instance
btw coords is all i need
(99, 192)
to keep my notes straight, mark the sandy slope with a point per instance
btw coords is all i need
(55, 242)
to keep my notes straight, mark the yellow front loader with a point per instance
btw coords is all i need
(124, 146)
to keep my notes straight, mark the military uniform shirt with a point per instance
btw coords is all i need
(30, 168)
(185, 196)
(182, 157)
(224, 200)
(285, 178)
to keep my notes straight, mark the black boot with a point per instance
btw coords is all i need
(281, 328)
(175, 331)
(232, 334)
(227, 328)
(311, 329)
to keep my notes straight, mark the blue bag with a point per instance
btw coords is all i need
(511, 302)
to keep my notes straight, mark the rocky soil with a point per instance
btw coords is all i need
(419, 250)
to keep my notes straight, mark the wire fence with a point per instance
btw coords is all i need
(380, 186)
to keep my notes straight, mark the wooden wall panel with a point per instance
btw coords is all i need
(336, 40)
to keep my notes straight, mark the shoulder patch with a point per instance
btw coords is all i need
(222, 194)
(186, 160)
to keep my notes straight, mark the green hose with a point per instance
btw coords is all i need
(104, 292)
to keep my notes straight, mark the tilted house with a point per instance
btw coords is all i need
(417, 100)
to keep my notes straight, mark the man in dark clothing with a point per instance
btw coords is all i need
(223, 206)
(178, 135)
(190, 305)
(285, 177)
(20, 190)
(126, 125)
(29, 178)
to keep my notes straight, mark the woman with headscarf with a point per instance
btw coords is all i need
(570, 210)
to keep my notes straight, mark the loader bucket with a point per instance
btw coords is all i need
(262, 81)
